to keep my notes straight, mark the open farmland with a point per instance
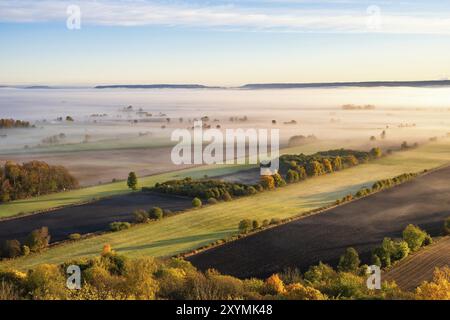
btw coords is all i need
(87, 194)
(200, 227)
(361, 224)
(91, 217)
(419, 267)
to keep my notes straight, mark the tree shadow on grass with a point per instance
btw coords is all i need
(196, 240)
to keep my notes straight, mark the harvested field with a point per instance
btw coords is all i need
(419, 267)
(324, 237)
(91, 217)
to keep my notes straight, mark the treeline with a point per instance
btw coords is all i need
(293, 168)
(392, 251)
(205, 189)
(114, 277)
(11, 123)
(31, 179)
(299, 167)
(378, 186)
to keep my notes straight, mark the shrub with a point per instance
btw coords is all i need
(212, 201)
(292, 176)
(38, 239)
(196, 203)
(25, 250)
(401, 250)
(226, 196)
(75, 236)
(255, 224)
(118, 226)
(297, 291)
(414, 237)
(275, 221)
(156, 213)
(141, 216)
(265, 222)
(279, 181)
(376, 260)
(428, 240)
(46, 282)
(267, 182)
(11, 249)
(349, 261)
(245, 225)
(274, 285)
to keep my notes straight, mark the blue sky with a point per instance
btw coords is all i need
(223, 42)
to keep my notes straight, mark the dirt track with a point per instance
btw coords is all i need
(91, 217)
(419, 267)
(324, 237)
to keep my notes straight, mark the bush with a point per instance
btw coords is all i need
(274, 285)
(11, 249)
(196, 203)
(46, 282)
(376, 260)
(226, 196)
(414, 237)
(212, 201)
(349, 261)
(141, 216)
(75, 236)
(255, 224)
(401, 250)
(118, 226)
(38, 239)
(245, 225)
(156, 213)
(428, 240)
(25, 250)
(275, 221)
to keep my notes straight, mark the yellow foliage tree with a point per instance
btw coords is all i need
(274, 285)
(438, 289)
(297, 291)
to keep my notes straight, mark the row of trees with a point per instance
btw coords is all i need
(33, 178)
(11, 123)
(37, 240)
(204, 189)
(247, 225)
(391, 251)
(299, 167)
(114, 277)
(378, 186)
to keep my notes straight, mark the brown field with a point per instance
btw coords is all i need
(361, 224)
(419, 267)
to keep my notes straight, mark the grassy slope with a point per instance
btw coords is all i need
(194, 229)
(105, 190)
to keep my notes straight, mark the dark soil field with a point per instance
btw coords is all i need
(91, 217)
(419, 267)
(361, 224)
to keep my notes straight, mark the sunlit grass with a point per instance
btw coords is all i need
(196, 228)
